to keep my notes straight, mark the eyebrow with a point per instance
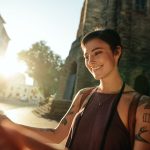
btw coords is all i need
(94, 49)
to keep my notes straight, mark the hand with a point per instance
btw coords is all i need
(5, 142)
(20, 138)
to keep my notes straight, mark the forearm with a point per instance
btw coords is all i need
(48, 135)
(16, 137)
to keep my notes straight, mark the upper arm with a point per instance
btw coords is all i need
(64, 125)
(142, 128)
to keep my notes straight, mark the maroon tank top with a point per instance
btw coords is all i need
(88, 133)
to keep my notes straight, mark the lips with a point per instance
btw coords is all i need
(96, 68)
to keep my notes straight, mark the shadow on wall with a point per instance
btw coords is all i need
(141, 84)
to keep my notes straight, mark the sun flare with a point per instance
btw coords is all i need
(10, 66)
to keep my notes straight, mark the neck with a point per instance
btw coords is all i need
(111, 85)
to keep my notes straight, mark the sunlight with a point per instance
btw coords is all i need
(29, 80)
(9, 66)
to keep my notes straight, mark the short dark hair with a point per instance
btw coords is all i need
(109, 36)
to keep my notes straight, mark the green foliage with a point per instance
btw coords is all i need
(43, 66)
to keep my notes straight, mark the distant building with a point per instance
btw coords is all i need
(4, 38)
(18, 90)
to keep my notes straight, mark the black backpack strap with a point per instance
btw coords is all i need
(132, 117)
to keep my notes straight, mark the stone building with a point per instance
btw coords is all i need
(18, 90)
(131, 18)
(4, 39)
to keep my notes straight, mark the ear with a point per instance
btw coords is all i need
(117, 53)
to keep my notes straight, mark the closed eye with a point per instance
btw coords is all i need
(98, 52)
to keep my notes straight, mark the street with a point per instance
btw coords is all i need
(22, 114)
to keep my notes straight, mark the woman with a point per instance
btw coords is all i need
(98, 117)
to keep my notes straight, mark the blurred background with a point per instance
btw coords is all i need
(41, 64)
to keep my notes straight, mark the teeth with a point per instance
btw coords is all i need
(96, 67)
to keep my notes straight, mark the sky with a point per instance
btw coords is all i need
(29, 21)
(53, 21)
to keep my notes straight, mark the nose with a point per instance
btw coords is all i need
(91, 61)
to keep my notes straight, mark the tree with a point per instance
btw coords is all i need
(43, 66)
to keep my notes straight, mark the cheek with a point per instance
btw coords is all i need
(110, 59)
(87, 66)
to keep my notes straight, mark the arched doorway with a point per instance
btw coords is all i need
(71, 82)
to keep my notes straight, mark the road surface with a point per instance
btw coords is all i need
(22, 113)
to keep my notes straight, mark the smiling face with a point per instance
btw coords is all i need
(99, 58)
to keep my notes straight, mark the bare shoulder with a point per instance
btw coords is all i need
(80, 93)
(75, 105)
(124, 104)
(142, 130)
(144, 102)
(84, 90)
(128, 95)
(78, 96)
(128, 88)
(143, 109)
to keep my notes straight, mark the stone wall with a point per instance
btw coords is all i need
(132, 21)
(132, 24)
